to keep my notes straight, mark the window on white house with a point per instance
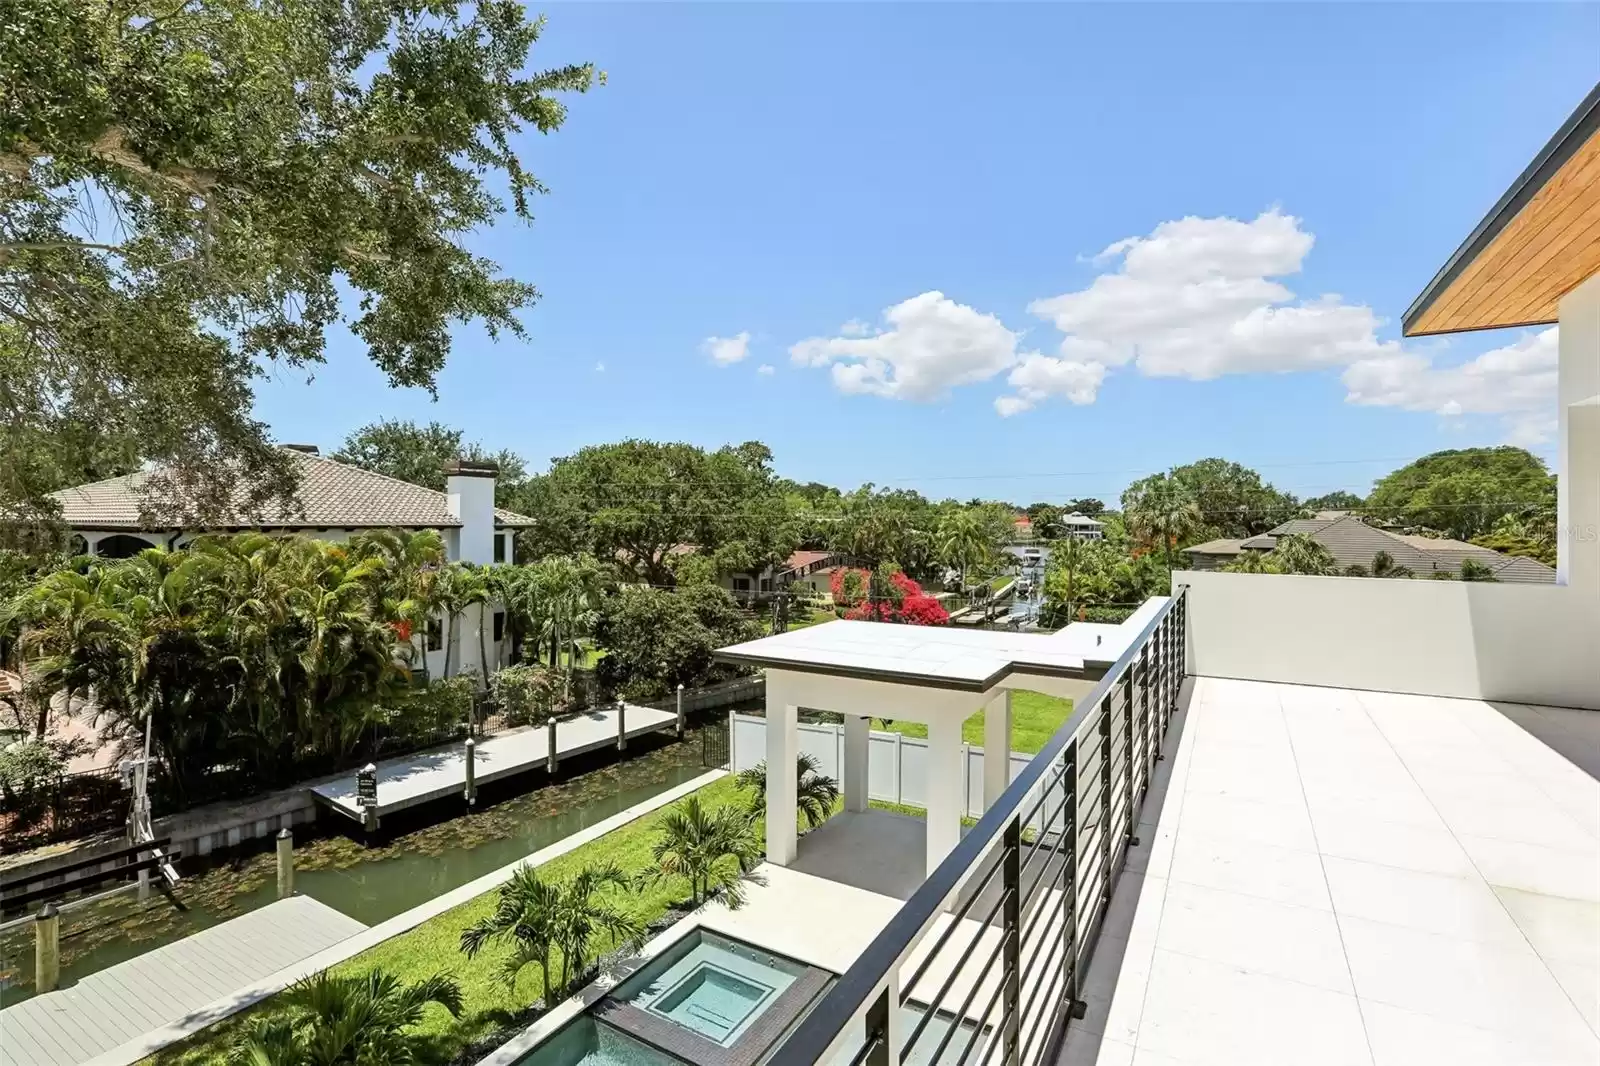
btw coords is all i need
(499, 625)
(741, 584)
(500, 540)
(435, 638)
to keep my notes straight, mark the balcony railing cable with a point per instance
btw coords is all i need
(1001, 988)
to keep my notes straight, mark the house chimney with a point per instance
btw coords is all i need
(308, 449)
(469, 492)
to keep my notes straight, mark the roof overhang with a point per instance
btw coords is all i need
(1539, 242)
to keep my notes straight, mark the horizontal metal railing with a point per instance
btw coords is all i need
(983, 964)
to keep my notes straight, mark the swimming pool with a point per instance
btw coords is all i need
(708, 1000)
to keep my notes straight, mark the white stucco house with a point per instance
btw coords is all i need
(337, 501)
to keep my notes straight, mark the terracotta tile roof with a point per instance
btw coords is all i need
(332, 495)
(806, 558)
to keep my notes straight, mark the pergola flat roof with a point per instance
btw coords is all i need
(941, 656)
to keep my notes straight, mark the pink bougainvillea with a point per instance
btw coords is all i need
(904, 601)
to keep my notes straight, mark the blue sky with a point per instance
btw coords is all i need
(791, 173)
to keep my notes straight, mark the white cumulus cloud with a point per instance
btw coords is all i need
(1039, 377)
(725, 351)
(766, 370)
(1198, 298)
(1516, 382)
(929, 345)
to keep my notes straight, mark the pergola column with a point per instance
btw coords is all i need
(783, 746)
(996, 747)
(857, 741)
(946, 784)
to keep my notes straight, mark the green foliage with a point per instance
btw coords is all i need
(1383, 565)
(189, 189)
(657, 639)
(1514, 535)
(816, 793)
(636, 501)
(29, 764)
(527, 694)
(1339, 500)
(1472, 570)
(437, 708)
(1464, 493)
(971, 537)
(1162, 513)
(265, 653)
(1253, 562)
(417, 453)
(1087, 574)
(881, 526)
(553, 925)
(1297, 553)
(357, 1020)
(711, 849)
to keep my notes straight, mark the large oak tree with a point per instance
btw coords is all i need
(193, 192)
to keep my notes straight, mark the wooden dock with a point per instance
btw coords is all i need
(430, 775)
(167, 986)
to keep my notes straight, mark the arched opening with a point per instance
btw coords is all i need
(121, 546)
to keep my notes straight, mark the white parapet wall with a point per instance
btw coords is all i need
(1476, 640)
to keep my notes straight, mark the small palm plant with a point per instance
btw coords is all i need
(1383, 565)
(548, 921)
(712, 850)
(333, 1021)
(816, 794)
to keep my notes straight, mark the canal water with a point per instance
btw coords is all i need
(414, 860)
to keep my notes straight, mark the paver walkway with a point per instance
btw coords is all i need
(168, 985)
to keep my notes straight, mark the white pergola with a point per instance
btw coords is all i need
(939, 676)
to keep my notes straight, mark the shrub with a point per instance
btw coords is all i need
(527, 695)
(438, 707)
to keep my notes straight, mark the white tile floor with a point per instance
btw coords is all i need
(1338, 877)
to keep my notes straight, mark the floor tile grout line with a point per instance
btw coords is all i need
(1543, 962)
(1338, 925)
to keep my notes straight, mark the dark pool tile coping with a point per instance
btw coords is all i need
(674, 1039)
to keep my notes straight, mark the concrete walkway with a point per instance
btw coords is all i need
(429, 775)
(172, 985)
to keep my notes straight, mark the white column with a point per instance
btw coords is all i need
(1581, 550)
(1579, 380)
(944, 789)
(857, 740)
(996, 747)
(783, 745)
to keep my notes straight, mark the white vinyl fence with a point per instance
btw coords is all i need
(896, 765)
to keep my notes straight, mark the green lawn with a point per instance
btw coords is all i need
(1034, 719)
(433, 947)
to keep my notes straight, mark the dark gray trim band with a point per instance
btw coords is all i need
(1572, 135)
(1091, 670)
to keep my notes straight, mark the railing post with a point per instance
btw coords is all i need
(1069, 886)
(1107, 705)
(471, 789)
(1163, 664)
(285, 863)
(1011, 996)
(879, 1021)
(46, 949)
(1145, 761)
(1127, 756)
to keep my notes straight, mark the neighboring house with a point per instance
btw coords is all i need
(336, 501)
(1022, 529)
(1352, 542)
(810, 571)
(1082, 527)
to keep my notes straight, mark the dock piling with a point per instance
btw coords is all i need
(47, 949)
(471, 791)
(680, 710)
(622, 725)
(285, 863)
(551, 759)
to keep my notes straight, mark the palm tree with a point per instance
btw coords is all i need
(961, 540)
(546, 919)
(73, 636)
(1472, 570)
(454, 591)
(712, 850)
(1161, 509)
(333, 1021)
(1383, 565)
(816, 794)
(1252, 562)
(1296, 553)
